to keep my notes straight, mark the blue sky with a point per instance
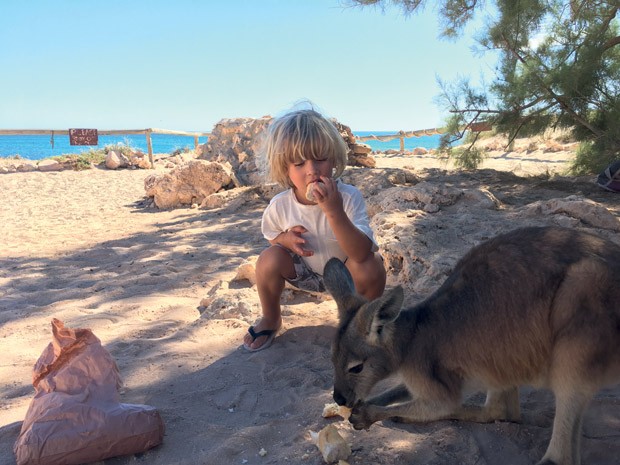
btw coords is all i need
(186, 64)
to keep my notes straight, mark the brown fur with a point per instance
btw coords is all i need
(537, 306)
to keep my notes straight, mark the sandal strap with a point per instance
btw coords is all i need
(264, 332)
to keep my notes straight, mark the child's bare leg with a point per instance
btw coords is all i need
(272, 266)
(368, 276)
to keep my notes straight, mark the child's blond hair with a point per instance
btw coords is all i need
(302, 135)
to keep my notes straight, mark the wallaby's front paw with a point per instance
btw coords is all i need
(360, 416)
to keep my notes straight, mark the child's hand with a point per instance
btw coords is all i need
(293, 241)
(326, 194)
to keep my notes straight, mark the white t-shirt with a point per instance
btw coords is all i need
(284, 212)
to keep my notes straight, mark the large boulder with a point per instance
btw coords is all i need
(49, 164)
(189, 184)
(359, 153)
(237, 141)
(115, 160)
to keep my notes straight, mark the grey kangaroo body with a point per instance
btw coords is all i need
(537, 306)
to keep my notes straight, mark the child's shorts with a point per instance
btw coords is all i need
(306, 279)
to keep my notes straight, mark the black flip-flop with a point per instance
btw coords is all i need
(270, 333)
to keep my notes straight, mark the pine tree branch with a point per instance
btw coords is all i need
(611, 43)
(557, 98)
(605, 26)
(474, 110)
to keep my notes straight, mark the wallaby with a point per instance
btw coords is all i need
(538, 306)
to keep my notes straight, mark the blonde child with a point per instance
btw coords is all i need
(306, 154)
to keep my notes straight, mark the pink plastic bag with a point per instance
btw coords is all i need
(75, 416)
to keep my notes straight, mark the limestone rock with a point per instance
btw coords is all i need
(140, 160)
(423, 196)
(50, 165)
(113, 160)
(374, 181)
(358, 153)
(247, 270)
(116, 159)
(577, 208)
(364, 161)
(361, 149)
(189, 183)
(236, 141)
(233, 198)
(26, 167)
(222, 302)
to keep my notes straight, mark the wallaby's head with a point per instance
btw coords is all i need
(362, 350)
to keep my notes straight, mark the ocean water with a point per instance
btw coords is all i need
(427, 142)
(39, 147)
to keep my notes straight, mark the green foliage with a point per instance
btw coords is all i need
(125, 148)
(559, 67)
(79, 162)
(181, 151)
(589, 159)
(466, 156)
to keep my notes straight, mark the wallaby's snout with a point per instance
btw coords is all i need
(339, 398)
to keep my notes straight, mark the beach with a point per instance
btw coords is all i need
(162, 290)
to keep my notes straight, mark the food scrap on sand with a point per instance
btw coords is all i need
(333, 447)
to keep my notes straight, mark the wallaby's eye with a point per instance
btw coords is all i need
(356, 368)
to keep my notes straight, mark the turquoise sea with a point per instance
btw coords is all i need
(39, 147)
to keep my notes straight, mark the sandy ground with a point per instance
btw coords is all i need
(84, 247)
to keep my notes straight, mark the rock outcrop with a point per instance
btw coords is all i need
(50, 164)
(116, 159)
(359, 154)
(237, 141)
(189, 184)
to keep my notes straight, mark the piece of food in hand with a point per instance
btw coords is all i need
(310, 191)
(333, 447)
(333, 410)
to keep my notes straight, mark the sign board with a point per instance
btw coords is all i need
(480, 127)
(83, 137)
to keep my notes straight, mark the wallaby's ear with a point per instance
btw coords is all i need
(337, 278)
(339, 284)
(380, 312)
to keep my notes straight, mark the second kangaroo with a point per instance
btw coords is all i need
(538, 306)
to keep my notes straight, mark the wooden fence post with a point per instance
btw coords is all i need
(149, 146)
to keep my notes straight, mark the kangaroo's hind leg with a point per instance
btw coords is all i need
(502, 405)
(564, 447)
(574, 379)
(584, 356)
